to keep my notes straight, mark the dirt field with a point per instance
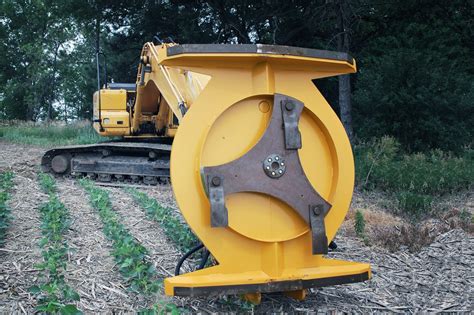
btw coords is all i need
(437, 278)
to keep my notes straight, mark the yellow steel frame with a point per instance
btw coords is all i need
(266, 241)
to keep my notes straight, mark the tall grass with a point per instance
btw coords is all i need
(49, 135)
(415, 179)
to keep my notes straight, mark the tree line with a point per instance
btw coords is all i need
(415, 57)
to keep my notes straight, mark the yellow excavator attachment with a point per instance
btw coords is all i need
(261, 167)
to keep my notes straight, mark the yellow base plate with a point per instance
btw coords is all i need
(217, 281)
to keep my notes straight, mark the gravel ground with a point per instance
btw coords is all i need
(437, 278)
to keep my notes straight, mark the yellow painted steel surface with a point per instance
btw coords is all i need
(266, 240)
(218, 105)
(175, 85)
(113, 100)
(113, 112)
(158, 95)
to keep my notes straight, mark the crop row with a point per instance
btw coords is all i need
(6, 184)
(55, 296)
(176, 230)
(129, 254)
(181, 235)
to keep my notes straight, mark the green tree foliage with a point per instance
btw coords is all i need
(35, 38)
(415, 79)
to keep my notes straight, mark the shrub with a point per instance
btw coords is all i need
(414, 178)
(413, 203)
(380, 164)
(359, 224)
(373, 159)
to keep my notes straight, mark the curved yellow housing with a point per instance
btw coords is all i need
(266, 246)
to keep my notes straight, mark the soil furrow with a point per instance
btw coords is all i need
(401, 282)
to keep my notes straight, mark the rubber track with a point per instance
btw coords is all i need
(117, 149)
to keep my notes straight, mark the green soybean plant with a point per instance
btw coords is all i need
(55, 296)
(129, 254)
(47, 183)
(182, 236)
(161, 308)
(176, 230)
(6, 184)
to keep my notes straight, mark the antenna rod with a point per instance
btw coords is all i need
(97, 53)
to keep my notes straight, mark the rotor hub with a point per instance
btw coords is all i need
(274, 166)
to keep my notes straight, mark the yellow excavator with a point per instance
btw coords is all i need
(144, 115)
(261, 167)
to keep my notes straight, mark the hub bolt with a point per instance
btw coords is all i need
(216, 181)
(317, 210)
(289, 106)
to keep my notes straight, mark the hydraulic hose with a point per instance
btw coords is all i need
(204, 259)
(186, 256)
